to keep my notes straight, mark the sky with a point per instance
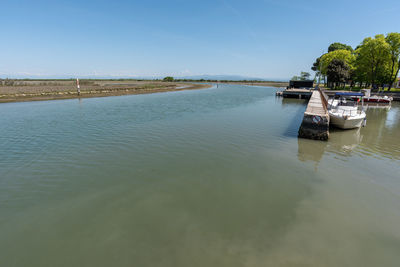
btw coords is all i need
(149, 38)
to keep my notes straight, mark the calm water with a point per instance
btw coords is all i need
(213, 177)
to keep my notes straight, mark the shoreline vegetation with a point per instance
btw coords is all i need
(22, 90)
(374, 63)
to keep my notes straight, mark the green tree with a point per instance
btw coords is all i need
(168, 79)
(342, 54)
(304, 76)
(338, 72)
(316, 64)
(393, 39)
(373, 58)
(339, 46)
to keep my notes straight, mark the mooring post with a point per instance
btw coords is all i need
(78, 89)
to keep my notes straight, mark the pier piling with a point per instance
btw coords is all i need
(315, 124)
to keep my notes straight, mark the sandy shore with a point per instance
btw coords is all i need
(53, 90)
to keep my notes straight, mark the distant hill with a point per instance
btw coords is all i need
(227, 78)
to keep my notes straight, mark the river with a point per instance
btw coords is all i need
(211, 177)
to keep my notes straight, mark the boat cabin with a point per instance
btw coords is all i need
(349, 99)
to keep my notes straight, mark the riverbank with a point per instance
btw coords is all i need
(261, 83)
(54, 90)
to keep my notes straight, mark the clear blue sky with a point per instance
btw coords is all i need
(266, 39)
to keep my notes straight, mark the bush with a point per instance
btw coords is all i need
(168, 79)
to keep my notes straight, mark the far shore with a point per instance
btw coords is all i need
(261, 83)
(41, 90)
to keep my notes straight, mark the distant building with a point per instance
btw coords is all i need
(301, 84)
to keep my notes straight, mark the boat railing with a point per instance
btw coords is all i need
(344, 112)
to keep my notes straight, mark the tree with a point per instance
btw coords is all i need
(316, 64)
(393, 39)
(168, 79)
(304, 76)
(344, 55)
(339, 46)
(317, 68)
(338, 72)
(373, 58)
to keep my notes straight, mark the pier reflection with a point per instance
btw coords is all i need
(293, 102)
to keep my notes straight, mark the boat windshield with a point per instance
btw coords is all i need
(346, 102)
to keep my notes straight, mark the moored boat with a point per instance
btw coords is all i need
(344, 113)
(368, 98)
(376, 99)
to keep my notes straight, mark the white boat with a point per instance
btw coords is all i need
(345, 113)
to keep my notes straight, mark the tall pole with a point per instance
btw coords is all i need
(319, 76)
(78, 88)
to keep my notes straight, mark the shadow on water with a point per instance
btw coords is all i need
(297, 106)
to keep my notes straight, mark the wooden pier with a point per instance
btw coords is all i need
(315, 124)
(297, 93)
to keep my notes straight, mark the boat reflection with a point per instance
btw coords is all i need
(340, 142)
(344, 142)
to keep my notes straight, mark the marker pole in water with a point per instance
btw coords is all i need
(78, 88)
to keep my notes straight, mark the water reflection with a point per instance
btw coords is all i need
(293, 102)
(378, 137)
(344, 142)
(212, 175)
(340, 142)
(381, 132)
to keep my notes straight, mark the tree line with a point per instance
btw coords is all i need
(374, 63)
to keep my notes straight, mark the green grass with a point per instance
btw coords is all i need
(392, 90)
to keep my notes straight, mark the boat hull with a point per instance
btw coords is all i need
(346, 122)
(379, 100)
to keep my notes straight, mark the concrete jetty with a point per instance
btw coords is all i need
(315, 124)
